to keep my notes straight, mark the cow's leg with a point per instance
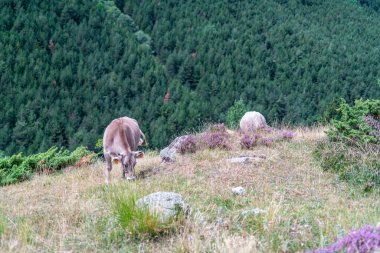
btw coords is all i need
(123, 170)
(109, 167)
(132, 164)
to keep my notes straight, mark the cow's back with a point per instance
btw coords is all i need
(132, 131)
(121, 135)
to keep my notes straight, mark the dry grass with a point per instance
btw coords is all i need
(304, 207)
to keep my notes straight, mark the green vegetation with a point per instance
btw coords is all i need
(19, 167)
(2, 223)
(351, 123)
(285, 59)
(353, 148)
(290, 204)
(139, 224)
(358, 165)
(67, 68)
(235, 113)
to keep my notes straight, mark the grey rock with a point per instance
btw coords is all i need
(238, 190)
(251, 121)
(165, 205)
(239, 160)
(252, 212)
(246, 159)
(168, 154)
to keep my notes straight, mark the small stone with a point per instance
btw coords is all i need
(252, 212)
(246, 159)
(239, 160)
(238, 190)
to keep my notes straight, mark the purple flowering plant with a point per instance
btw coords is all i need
(188, 144)
(217, 136)
(267, 141)
(363, 240)
(248, 141)
(288, 135)
(374, 124)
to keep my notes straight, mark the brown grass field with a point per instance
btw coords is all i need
(305, 207)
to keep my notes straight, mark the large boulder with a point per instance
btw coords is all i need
(166, 205)
(251, 121)
(168, 154)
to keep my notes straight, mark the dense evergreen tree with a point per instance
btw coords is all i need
(67, 68)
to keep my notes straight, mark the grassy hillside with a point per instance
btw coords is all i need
(305, 208)
(67, 68)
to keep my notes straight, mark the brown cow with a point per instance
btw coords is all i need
(120, 141)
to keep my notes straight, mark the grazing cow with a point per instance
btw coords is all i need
(251, 121)
(120, 141)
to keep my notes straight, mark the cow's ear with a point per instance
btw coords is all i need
(139, 154)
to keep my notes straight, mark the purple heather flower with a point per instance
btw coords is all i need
(267, 129)
(374, 124)
(188, 144)
(363, 240)
(288, 135)
(267, 141)
(248, 141)
(217, 136)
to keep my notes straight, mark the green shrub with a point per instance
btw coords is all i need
(18, 167)
(235, 113)
(352, 151)
(358, 165)
(99, 146)
(350, 123)
(138, 223)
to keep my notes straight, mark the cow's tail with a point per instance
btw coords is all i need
(142, 141)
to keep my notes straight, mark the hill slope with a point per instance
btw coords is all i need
(305, 208)
(286, 59)
(68, 67)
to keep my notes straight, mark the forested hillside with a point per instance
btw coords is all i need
(287, 59)
(69, 67)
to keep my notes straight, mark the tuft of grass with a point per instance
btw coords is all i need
(222, 202)
(3, 223)
(138, 223)
(24, 231)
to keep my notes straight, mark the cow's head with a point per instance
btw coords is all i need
(129, 162)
